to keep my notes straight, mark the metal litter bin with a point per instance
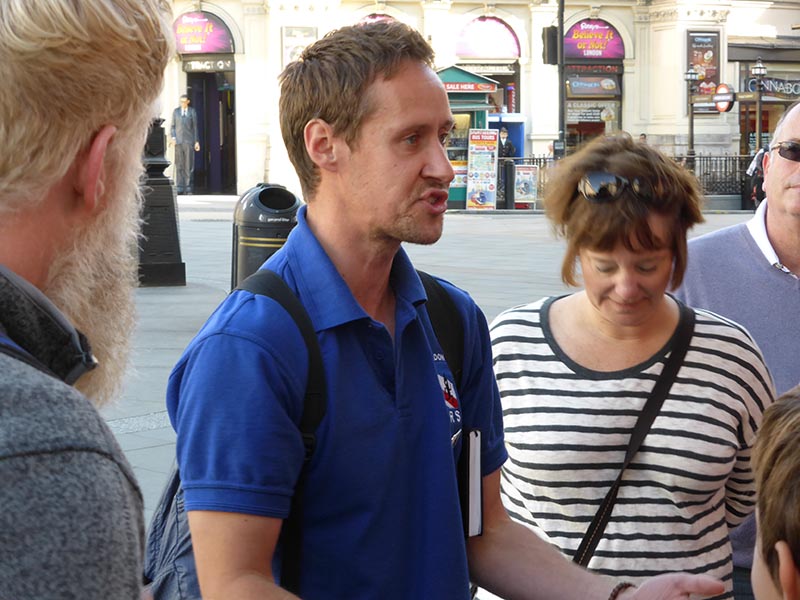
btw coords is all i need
(262, 220)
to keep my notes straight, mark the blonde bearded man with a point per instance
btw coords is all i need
(81, 80)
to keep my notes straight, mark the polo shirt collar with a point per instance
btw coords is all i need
(757, 226)
(325, 294)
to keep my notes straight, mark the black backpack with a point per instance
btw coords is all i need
(168, 541)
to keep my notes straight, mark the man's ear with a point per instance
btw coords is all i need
(766, 162)
(91, 175)
(322, 146)
(788, 573)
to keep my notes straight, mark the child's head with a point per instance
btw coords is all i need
(776, 459)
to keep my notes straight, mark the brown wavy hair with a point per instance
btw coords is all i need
(776, 463)
(602, 225)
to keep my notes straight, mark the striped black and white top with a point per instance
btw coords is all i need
(567, 428)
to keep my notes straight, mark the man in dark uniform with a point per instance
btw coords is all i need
(183, 133)
(507, 149)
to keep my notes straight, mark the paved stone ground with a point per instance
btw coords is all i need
(503, 259)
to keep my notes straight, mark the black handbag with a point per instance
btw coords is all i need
(651, 408)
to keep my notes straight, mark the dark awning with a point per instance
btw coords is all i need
(782, 48)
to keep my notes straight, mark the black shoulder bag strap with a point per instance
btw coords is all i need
(268, 283)
(447, 324)
(651, 409)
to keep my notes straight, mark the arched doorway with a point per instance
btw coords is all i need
(206, 47)
(488, 46)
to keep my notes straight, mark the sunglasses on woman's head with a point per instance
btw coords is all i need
(788, 150)
(601, 187)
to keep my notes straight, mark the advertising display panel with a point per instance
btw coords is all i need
(202, 33)
(482, 169)
(702, 54)
(526, 186)
(593, 39)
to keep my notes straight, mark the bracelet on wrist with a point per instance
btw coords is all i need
(618, 589)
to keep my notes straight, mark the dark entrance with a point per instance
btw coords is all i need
(213, 97)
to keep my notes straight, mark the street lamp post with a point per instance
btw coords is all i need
(691, 76)
(758, 71)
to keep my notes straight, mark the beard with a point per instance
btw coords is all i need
(93, 281)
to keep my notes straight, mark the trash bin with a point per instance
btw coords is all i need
(262, 220)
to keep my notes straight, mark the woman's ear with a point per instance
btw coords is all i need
(90, 182)
(788, 573)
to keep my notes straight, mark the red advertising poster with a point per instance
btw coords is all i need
(593, 38)
(202, 33)
(482, 169)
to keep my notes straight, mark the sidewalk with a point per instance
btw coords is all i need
(502, 259)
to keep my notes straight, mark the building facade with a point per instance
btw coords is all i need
(624, 68)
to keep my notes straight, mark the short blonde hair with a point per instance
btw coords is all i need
(69, 68)
(776, 463)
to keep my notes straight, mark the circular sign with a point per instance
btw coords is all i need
(727, 104)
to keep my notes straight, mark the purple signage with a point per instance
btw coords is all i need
(202, 33)
(595, 39)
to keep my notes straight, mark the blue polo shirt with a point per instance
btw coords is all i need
(381, 516)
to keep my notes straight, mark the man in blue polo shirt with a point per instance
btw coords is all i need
(365, 120)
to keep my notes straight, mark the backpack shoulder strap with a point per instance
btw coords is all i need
(447, 324)
(268, 283)
(14, 350)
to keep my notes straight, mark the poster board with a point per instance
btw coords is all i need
(482, 169)
(702, 54)
(527, 185)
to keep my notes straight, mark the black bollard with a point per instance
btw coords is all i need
(159, 251)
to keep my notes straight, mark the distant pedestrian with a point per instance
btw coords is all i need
(755, 173)
(81, 79)
(183, 134)
(643, 138)
(507, 149)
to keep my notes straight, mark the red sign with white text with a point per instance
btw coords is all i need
(469, 86)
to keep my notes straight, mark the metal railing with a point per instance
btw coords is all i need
(718, 176)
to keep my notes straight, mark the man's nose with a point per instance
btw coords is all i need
(438, 166)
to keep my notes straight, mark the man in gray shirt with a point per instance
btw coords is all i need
(81, 79)
(749, 273)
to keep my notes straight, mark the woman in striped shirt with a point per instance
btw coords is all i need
(574, 372)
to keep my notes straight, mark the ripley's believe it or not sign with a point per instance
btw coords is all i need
(202, 33)
(594, 39)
